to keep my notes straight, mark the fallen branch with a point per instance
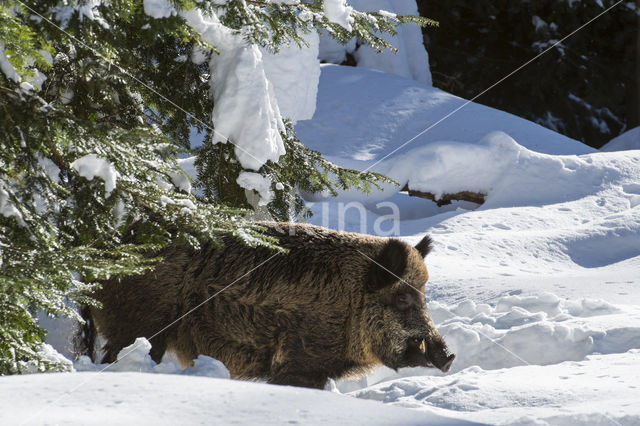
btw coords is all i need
(474, 197)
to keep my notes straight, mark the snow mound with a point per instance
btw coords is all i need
(523, 330)
(499, 167)
(626, 141)
(363, 115)
(135, 357)
(141, 399)
(514, 331)
(598, 390)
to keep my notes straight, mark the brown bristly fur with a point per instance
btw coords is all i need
(302, 317)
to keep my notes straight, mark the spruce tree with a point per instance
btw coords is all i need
(96, 104)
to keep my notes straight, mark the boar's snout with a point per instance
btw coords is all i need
(429, 352)
(439, 355)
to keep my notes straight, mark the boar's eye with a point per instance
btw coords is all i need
(403, 301)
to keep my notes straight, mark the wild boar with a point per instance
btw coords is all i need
(335, 305)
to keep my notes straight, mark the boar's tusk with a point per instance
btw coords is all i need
(422, 347)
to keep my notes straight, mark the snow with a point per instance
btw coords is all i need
(181, 181)
(259, 183)
(7, 68)
(64, 12)
(369, 120)
(129, 398)
(337, 11)
(136, 358)
(628, 140)
(49, 167)
(601, 389)
(91, 166)
(536, 290)
(159, 9)
(294, 73)
(7, 208)
(411, 60)
(363, 115)
(240, 89)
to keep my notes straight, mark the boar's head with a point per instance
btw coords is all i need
(399, 330)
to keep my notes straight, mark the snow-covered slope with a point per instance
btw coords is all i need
(363, 115)
(628, 140)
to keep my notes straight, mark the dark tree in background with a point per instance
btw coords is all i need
(586, 88)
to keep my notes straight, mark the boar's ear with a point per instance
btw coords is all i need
(388, 266)
(424, 246)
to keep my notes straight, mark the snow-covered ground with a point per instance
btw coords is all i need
(537, 290)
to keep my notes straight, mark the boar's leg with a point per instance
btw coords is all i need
(293, 366)
(307, 379)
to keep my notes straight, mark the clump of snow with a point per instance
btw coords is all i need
(295, 72)
(7, 68)
(7, 208)
(185, 202)
(91, 166)
(538, 23)
(50, 354)
(135, 357)
(159, 9)
(49, 167)
(626, 141)
(64, 12)
(46, 56)
(206, 366)
(245, 108)
(337, 11)
(181, 181)
(258, 183)
(25, 86)
(66, 96)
